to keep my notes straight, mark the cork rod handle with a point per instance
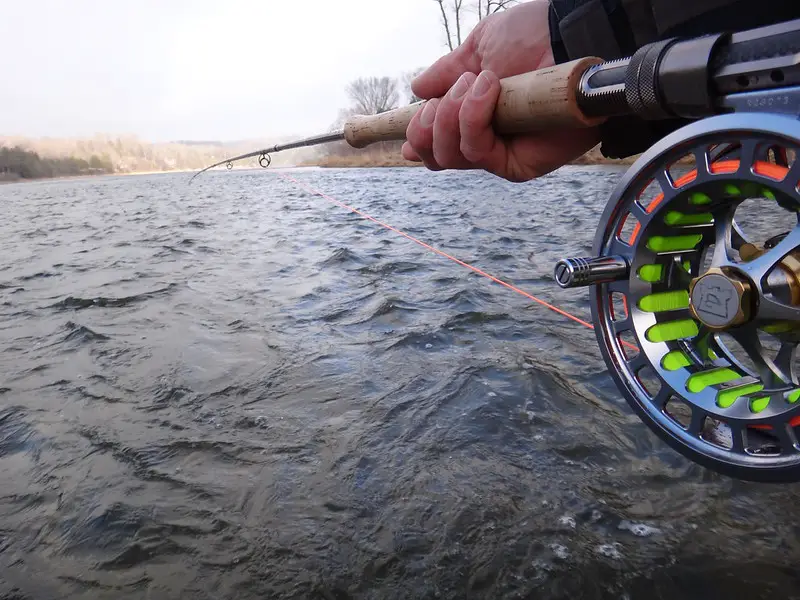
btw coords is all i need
(537, 101)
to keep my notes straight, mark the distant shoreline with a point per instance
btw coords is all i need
(92, 176)
(358, 161)
(373, 160)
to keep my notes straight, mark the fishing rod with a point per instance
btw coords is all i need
(539, 100)
(697, 320)
(689, 78)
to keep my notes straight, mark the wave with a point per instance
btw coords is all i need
(78, 303)
(341, 256)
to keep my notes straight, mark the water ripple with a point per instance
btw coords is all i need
(238, 390)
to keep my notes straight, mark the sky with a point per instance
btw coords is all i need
(200, 69)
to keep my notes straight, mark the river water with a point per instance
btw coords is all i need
(237, 389)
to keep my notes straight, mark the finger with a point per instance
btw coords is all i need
(409, 154)
(479, 144)
(446, 134)
(437, 79)
(419, 134)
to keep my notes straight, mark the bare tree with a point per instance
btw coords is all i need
(372, 95)
(489, 7)
(368, 96)
(455, 15)
(407, 78)
(451, 15)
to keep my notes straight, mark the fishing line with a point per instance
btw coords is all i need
(315, 191)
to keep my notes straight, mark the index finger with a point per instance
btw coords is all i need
(437, 79)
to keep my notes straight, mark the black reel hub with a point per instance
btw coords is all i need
(698, 317)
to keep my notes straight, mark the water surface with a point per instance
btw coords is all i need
(237, 389)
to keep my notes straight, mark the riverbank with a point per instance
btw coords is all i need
(368, 160)
(376, 160)
(364, 160)
(96, 175)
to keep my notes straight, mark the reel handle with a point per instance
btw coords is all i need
(583, 271)
(540, 100)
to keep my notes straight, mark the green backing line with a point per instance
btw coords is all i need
(697, 382)
(655, 273)
(673, 243)
(674, 217)
(675, 360)
(679, 299)
(664, 301)
(672, 330)
(651, 273)
(726, 398)
(699, 198)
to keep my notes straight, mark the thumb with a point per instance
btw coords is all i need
(437, 79)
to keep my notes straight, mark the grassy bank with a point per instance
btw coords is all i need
(393, 159)
(366, 160)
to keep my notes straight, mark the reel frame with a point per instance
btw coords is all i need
(688, 360)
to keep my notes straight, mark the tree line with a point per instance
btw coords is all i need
(22, 158)
(18, 163)
(28, 159)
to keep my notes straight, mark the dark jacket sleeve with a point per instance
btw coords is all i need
(614, 29)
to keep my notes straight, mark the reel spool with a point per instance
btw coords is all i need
(698, 320)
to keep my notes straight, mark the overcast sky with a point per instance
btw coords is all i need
(200, 69)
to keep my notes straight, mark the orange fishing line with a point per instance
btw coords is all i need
(564, 313)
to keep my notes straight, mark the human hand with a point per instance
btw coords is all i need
(454, 131)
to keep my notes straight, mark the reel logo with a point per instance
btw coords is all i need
(715, 300)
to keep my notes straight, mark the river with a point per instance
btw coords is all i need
(239, 389)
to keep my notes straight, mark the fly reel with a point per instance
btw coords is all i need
(698, 319)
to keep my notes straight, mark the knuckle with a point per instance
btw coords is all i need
(445, 155)
(473, 143)
(441, 160)
(446, 111)
(447, 142)
(417, 140)
(471, 152)
(412, 134)
(471, 119)
(470, 123)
